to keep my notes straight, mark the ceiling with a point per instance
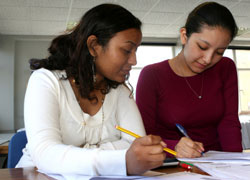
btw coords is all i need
(161, 18)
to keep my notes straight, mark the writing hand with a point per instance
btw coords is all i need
(186, 148)
(145, 153)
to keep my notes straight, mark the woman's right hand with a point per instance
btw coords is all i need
(145, 153)
(186, 148)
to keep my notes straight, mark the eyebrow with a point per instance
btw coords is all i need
(131, 42)
(210, 45)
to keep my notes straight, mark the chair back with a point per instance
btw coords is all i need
(16, 145)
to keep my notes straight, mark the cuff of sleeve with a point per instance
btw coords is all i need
(112, 166)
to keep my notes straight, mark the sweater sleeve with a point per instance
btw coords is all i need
(147, 93)
(229, 128)
(45, 144)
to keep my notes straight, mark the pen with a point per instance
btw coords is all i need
(185, 165)
(137, 136)
(184, 132)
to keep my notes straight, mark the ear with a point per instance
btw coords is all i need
(93, 45)
(183, 36)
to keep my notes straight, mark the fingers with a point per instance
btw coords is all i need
(188, 148)
(156, 160)
(151, 144)
(154, 149)
(163, 144)
(201, 148)
(160, 157)
(150, 140)
(144, 154)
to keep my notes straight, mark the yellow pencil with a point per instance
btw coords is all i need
(137, 136)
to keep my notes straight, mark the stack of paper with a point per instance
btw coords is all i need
(218, 156)
(150, 175)
(83, 177)
(226, 170)
(225, 165)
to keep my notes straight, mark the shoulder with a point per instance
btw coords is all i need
(47, 78)
(156, 69)
(121, 92)
(124, 90)
(48, 74)
(226, 62)
(156, 66)
(224, 69)
(119, 95)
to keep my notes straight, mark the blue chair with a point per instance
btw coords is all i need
(16, 145)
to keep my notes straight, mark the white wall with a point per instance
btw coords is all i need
(15, 52)
(6, 84)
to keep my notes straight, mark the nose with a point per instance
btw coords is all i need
(132, 59)
(207, 58)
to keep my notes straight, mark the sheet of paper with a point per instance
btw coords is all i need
(218, 156)
(226, 171)
(148, 174)
(183, 176)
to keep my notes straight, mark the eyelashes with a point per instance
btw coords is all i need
(204, 49)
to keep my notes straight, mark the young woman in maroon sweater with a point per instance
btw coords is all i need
(197, 88)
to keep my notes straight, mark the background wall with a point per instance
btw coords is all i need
(15, 52)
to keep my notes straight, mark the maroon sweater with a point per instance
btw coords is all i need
(165, 99)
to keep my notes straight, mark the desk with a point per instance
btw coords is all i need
(22, 174)
(32, 174)
(4, 153)
(4, 148)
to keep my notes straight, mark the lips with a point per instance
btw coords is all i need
(126, 71)
(201, 66)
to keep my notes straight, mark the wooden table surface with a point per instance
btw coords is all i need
(32, 174)
(22, 174)
(4, 148)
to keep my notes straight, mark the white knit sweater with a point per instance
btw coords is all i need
(64, 139)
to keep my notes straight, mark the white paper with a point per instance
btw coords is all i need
(148, 174)
(183, 176)
(218, 156)
(226, 170)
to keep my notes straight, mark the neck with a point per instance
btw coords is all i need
(180, 67)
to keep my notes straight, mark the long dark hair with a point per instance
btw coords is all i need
(70, 51)
(213, 15)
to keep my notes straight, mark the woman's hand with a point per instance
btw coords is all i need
(186, 148)
(144, 154)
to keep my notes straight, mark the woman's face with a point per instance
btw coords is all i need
(203, 50)
(115, 60)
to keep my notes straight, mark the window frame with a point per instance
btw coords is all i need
(234, 49)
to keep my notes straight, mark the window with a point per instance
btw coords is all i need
(243, 66)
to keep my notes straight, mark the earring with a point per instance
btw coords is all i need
(93, 70)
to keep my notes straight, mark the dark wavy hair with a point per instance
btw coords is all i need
(213, 15)
(70, 51)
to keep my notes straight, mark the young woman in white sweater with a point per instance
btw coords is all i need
(77, 95)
